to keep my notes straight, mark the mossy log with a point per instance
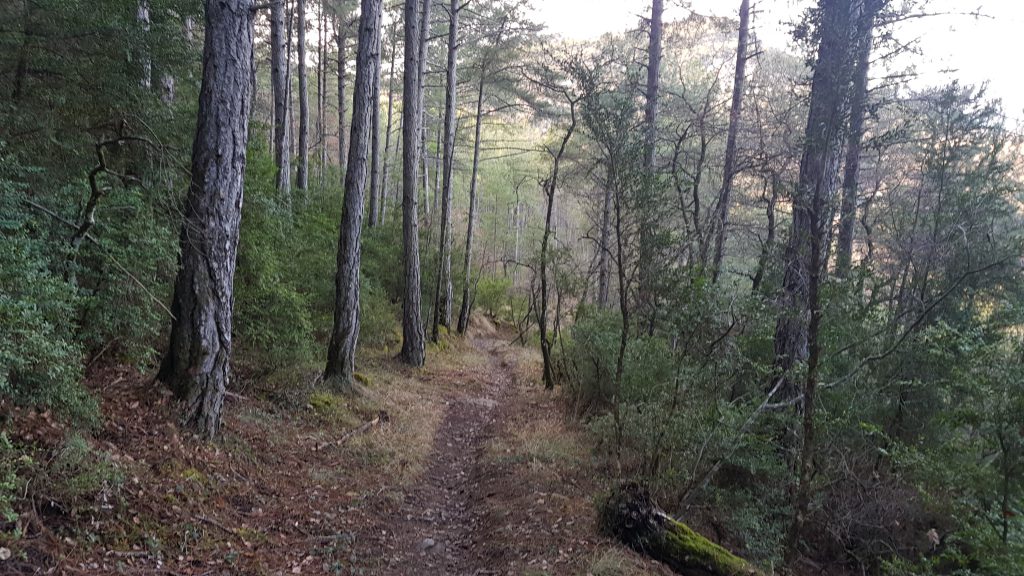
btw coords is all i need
(630, 515)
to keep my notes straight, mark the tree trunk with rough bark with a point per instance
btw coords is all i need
(341, 353)
(735, 113)
(197, 364)
(646, 293)
(375, 144)
(422, 76)
(858, 105)
(386, 171)
(341, 38)
(321, 97)
(603, 259)
(144, 57)
(279, 87)
(443, 294)
(796, 335)
(302, 173)
(818, 181)
(550, 187)
(769, 242)
(467, 267)
(413, 338)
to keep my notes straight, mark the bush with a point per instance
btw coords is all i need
(79, 475)
(9, 481)
(492, 294)
(272, 318)
(40, 360)
(378, 317)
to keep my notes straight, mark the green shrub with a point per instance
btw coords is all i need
(40, 360)
(378, 317)
(382, 260)
(9, 481)
(80, 475)
(272, 318)
(492, 294)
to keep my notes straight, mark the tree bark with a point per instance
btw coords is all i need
(858, 105)
(279, 87)
(769, 242)
(729, 171)
(467, 267)
(422, 77)
(386, 173)
(818, 180)
(550, 187)
(375, 144)
(21, 67)
(341, 38)
(302, 174)
(321, 99)
(796, 334)
(342, 350)
(145, 57)
(443, 294)
(603, 268)
(436, 189)
(197, 364)
(412, 320)
(646, 295)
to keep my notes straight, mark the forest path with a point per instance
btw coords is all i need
(436, 527)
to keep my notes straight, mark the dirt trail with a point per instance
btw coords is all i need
(434, 530)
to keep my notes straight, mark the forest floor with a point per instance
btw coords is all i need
(474, 471)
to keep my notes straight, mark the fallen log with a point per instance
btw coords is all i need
(630, 515)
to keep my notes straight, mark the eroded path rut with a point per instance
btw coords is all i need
(434, 530)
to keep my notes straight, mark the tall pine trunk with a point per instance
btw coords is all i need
(413, 338)
(422, 130)
(467, 266)
(443, 293)
(603, 258)
(144, 56)
(858, 105)
(796, 334)
(197, 364)
(302, 174)
(341, 38)
(386, 170)
(818, 181)
(729, 171)
(646, 292)
(342, 350)
(279, 86)
(321, 115)
(375, 143)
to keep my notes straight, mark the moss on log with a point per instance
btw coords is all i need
(630, 515)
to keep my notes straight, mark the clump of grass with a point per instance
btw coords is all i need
(614, 562)
(544, 444)
(333, 408)
(79, 475)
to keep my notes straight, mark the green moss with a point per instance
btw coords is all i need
(629, 514)
(251, 535)
(362, 378)
(332, 407)
(697, 551)
(194, 475)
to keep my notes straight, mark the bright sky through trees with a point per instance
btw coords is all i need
(953, 45)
